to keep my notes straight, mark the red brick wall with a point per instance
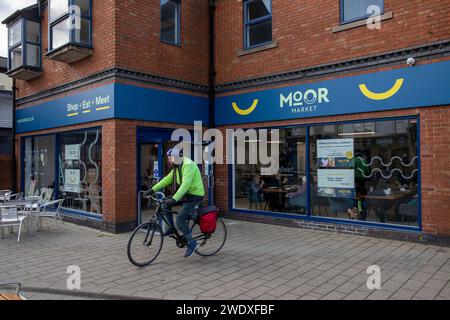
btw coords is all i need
(139, 46)
(56, 73)
(127, 34)
(5, 173)
(435, 159)
(303, 30)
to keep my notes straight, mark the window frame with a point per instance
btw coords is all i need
(177, 28)
(24, 43)
(57, 141)
(342, 21)
(68, 15)
(338, 221)
(248, 24)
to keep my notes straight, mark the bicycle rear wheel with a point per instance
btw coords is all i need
(210, 244)
(145, 244)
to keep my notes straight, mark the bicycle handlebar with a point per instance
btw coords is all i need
(160, 201)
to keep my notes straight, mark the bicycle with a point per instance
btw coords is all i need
(146, 241)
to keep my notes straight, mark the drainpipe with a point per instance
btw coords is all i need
(212, 96)
(212, 62)
(13, 145)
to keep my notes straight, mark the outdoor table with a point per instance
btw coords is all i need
(26, 208)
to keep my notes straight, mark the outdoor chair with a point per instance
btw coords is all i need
(10, 291)
(50, 210)
(15, 197)
(34, 203)
(9, 218)
(4, 194)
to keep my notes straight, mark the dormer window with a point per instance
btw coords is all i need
(24, 46)
(70, 30)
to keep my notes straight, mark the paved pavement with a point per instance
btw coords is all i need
(258, 262)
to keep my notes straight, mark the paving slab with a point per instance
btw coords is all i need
(259, 261)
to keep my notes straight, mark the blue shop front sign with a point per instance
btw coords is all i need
(113, 101)
(421, 86)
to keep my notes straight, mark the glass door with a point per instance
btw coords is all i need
(150, 172)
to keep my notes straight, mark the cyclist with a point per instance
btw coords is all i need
(190, 193)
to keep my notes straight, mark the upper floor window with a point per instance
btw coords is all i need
(170, 21)
(70, 22)
(257, 22)
(353, 10)
(24, 44)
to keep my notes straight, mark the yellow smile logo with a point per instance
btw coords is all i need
(245, 112)
(384, 95)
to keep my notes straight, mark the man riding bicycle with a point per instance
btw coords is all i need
(186, 174)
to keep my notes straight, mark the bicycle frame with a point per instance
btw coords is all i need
(160, 215)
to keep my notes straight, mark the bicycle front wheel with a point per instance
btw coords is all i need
(210, 244)
(145, 244)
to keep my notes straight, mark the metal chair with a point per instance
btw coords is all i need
(4, 194)
(10, 218)
(15, 197)
(8, 295)
(50, 210)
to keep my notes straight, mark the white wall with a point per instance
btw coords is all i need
(5, 81)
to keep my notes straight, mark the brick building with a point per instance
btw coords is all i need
(6, 113)
(362, 134)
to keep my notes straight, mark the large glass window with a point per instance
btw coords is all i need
(39, 167)
(170, 21)
(365, 171)
(73, 174)
(284, 191)
(352, 10)
(258, 22)
(15, 34)
(359, 171)
(31, 56)
(70, 22)
(80, 170)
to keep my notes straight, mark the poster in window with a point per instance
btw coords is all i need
(72, 152)
(72, 180)
(335, 153)
(336, 183)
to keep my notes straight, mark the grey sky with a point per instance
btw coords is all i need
(8, 7)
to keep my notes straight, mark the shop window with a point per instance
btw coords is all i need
(39, 167)
(170, 21)
(365, 171)
(257, 23)
(80, 170)
(284, 191)
(24, 49)
(70, 26)
(353, 10)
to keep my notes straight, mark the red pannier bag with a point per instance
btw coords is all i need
(208, 219)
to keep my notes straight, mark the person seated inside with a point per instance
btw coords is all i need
(255, 189)
(275, 198)
(297, 197)
(276, 181)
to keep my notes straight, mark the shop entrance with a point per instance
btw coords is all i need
(152, 146)
(152, 164)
